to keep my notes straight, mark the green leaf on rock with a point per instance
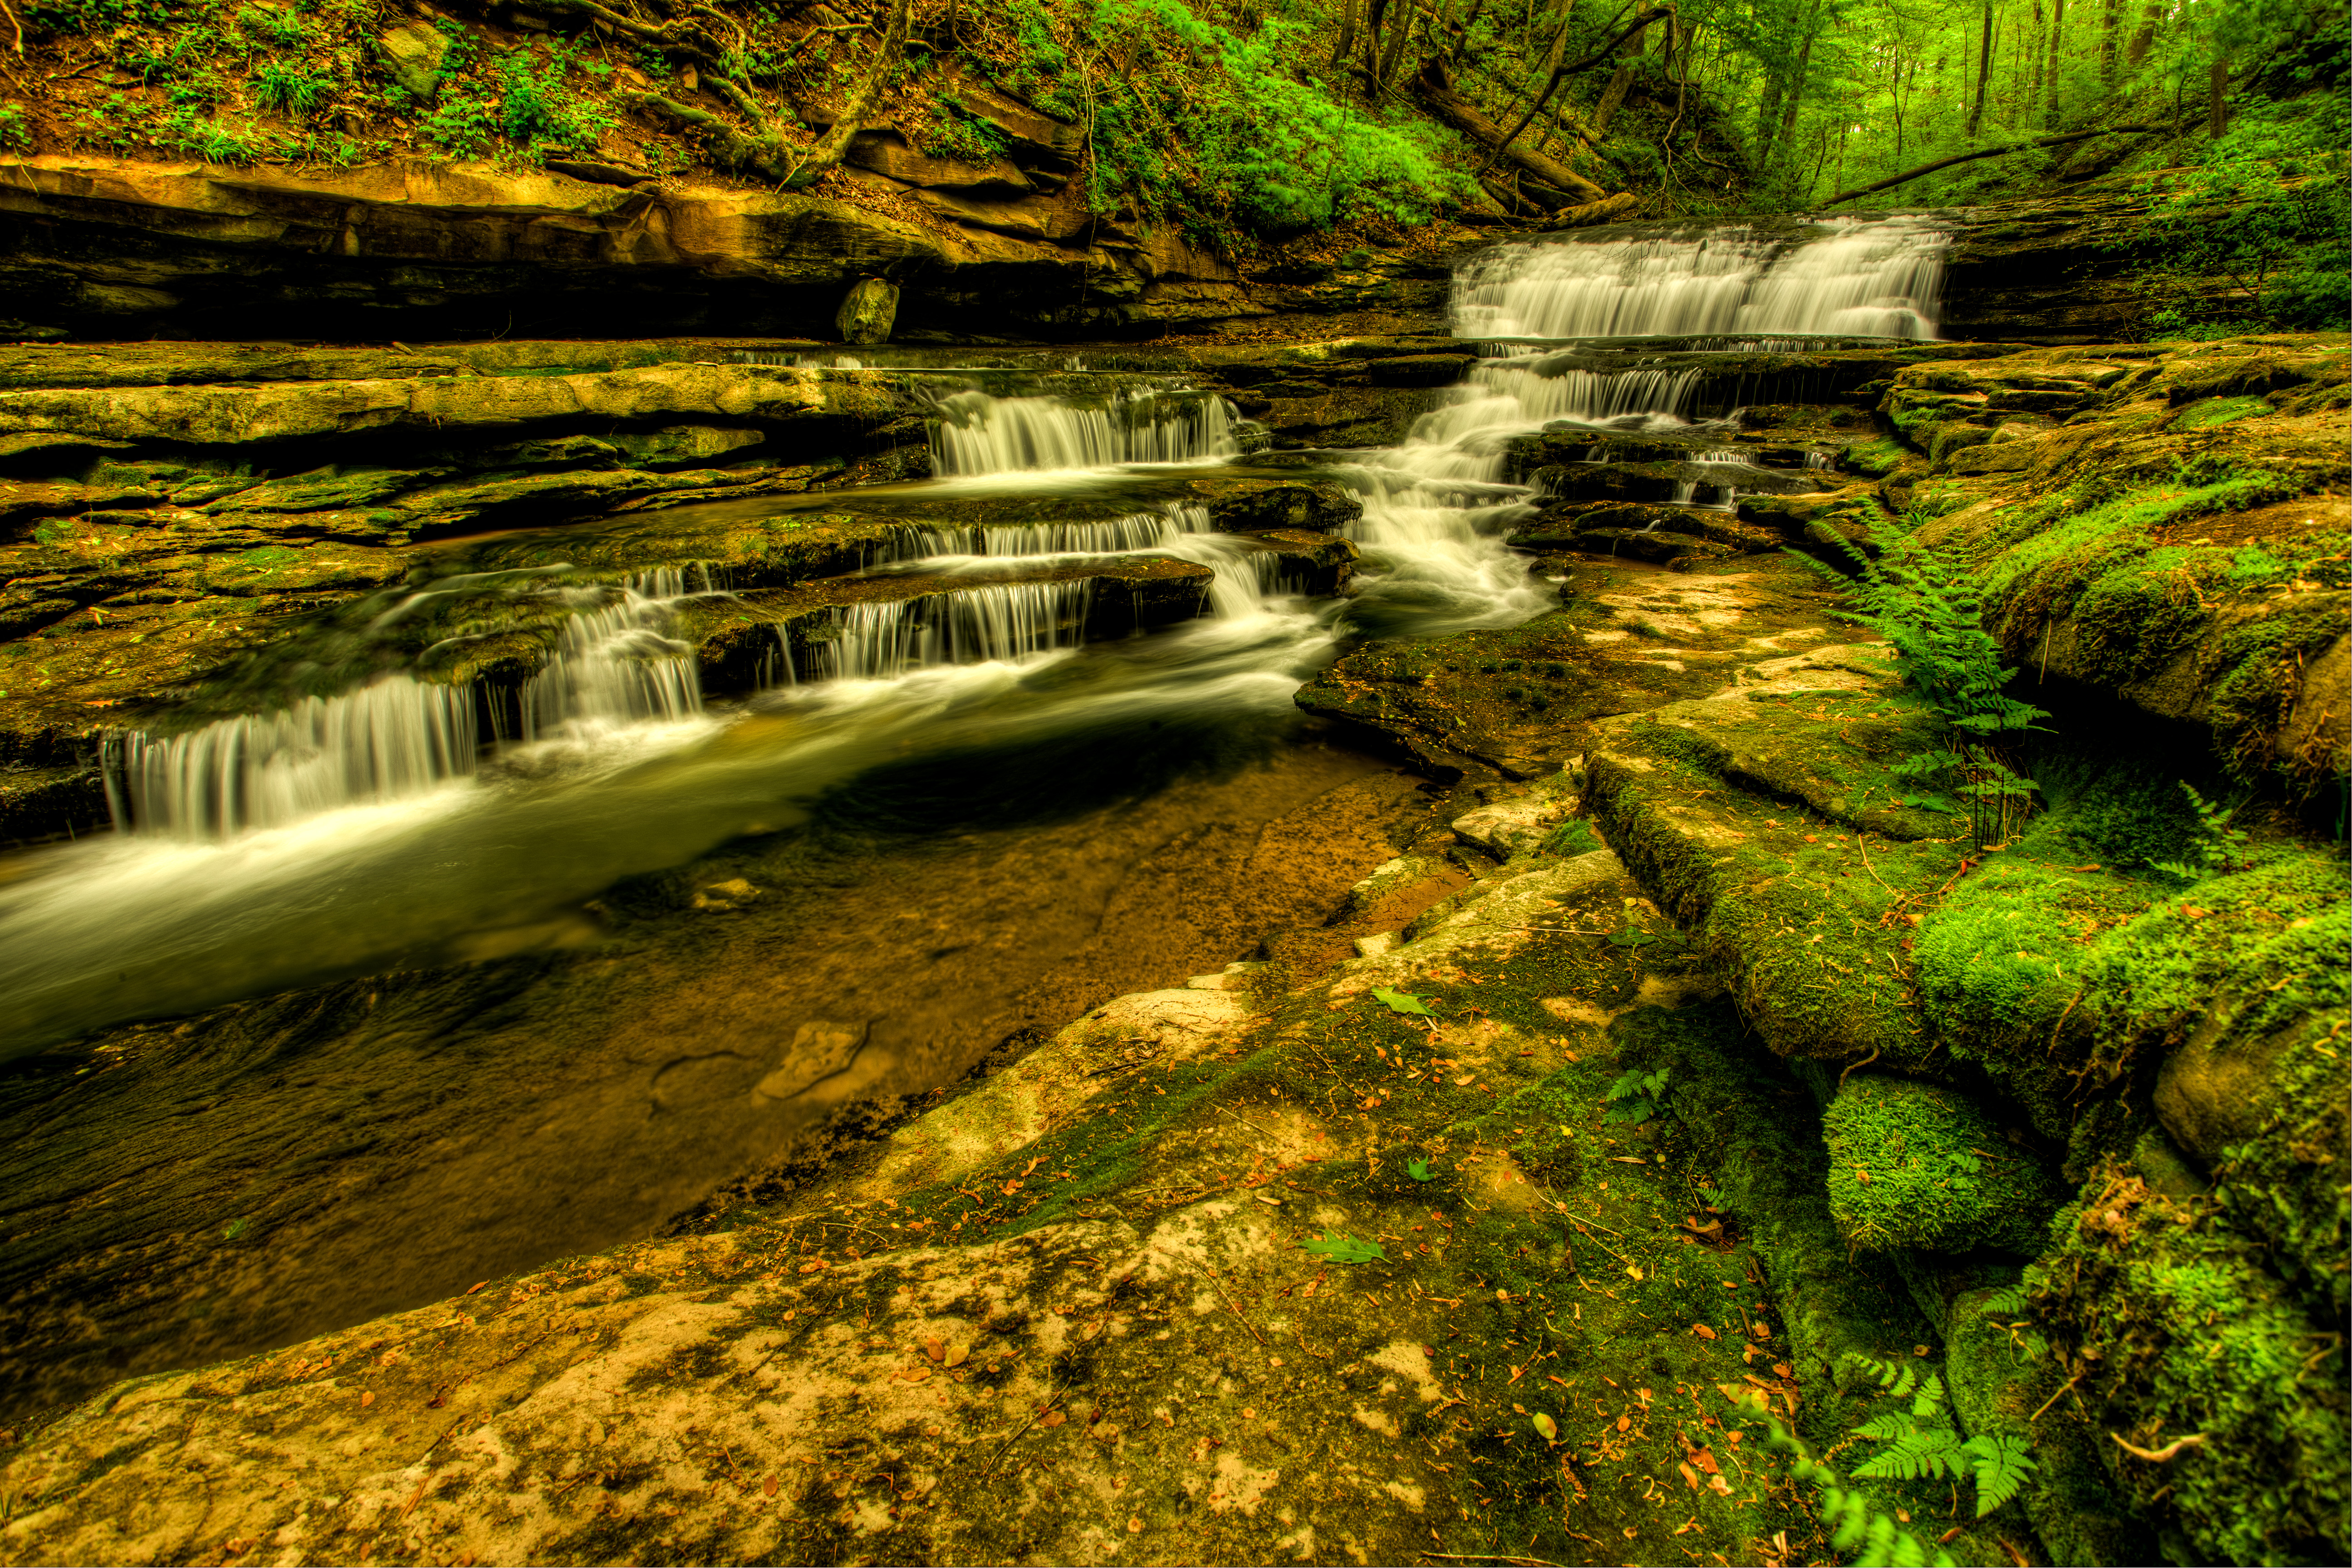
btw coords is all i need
(1419, 1171)
(1398, 1002)
(1340, 1247)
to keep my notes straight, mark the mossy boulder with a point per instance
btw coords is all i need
(1916, 1165)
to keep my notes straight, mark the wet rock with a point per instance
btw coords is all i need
(867, 314)
(414, 53)
(1522, 822)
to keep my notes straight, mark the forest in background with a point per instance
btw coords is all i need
(1255, 124)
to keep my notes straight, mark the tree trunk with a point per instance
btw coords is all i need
(2217, 83)
(2148, 17)
(2057, 36)
(1984, 74)
(2035, 53)
(1796, 93)
(1436, 87)
(1399, 30)
(1347, 46)
(2110, 23)
(1614, 93)
(828, 152)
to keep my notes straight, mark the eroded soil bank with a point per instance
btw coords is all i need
(1498, 1200)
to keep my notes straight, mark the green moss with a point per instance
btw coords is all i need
(2177, 1332)
(1916, 1165)
(2214, 411)
(1877, 458)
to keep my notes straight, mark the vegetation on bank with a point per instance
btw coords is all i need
(1246, 124)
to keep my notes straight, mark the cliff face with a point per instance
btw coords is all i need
(112, 248)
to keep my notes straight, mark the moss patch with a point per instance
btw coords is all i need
(1914, 1165)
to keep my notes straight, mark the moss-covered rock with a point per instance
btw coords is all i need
(1914, 1164)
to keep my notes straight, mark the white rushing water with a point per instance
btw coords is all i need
(1878, 279)
(978, 433)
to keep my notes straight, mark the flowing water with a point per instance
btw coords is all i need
(966, 755)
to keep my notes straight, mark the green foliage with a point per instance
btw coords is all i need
(1857, 1523)
(56, 531)
(536, 110)
(1419, 1170)
(1185, 116)
(1398, 1002)
(13, 132)
(1635, 1097)
(1340, 1247)
(270, 27)
(1921, 601)
(1917, 1164)
(1923, 1445)
(2216, 848)
(2279, 173)
(1574, 837)
(296, 90)
(958, 134)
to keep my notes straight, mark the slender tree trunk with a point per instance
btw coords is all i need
(2057, 37)
(1984, 74)
(2110, 24)
(2150, 16)
(2217, 83)
(2038, 55)
(1346, 47)
(1614, 93)
(1399, 32)
(1796, 94)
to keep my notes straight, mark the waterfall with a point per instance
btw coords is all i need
(614, 662)
(978, 433)
(1003, 621)
(397, 737)
(1878, 279)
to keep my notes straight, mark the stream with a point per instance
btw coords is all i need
(505, 978)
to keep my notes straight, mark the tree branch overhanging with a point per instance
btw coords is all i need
(1560, 73)
(1909, 174)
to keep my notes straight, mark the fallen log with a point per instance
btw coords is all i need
(1908, 175)
(1433, 84)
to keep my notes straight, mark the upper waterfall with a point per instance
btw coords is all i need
(978, 433)
(1871, 279)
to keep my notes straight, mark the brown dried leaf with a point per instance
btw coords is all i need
(1703, 1331)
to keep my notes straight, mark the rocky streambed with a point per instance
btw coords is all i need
(929, 1059)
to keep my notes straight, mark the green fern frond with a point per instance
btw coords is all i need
(1887, 1429)
(1929, 1399)
(2001, 1465)
(1930, 1454)
(2007, 1302)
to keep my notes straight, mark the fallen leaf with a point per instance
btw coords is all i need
(1625, 1422)
(957, 1355)
(1705, 1459)
(1398, 1002)
(1629, 1159)
(1052, 1418)
(1719, 1485)
(471, 1288)
(1690, 1477)
(1782, 1369)
(1546, 1426)
(367, 1399)
(1703, 1331)
(1635, 1270)
(769, 1486)
(935, 1349)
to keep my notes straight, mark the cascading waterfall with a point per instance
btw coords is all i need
(1244, 573)
(1879, 280)
(1003, 621)
(614, 663)
(1422, 499)
(397, 737)
(978, 433)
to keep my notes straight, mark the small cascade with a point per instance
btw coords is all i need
(397, 737)
(615, 664)
(1246, 573)
(1003, 621)
(1879, 280)
(978, 433)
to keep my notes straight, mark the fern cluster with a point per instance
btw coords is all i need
(1919, 600)
(1923, 1446)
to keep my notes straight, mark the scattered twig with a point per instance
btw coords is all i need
(2158, 1456)
(1864, 1063)
(1236, 1311)
(1491, 1557)
(1861, 842)
(2064, 1389)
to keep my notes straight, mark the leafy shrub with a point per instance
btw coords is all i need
(14, 130)
(291, 88)
(537, 110)
(1185, 115)
(269, 26)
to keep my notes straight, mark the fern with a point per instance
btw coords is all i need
(2007, 1301)
(1922, 1454)
(1857, 1522)
(1918, 600)
(1923, 1446)
(2001, 1466)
